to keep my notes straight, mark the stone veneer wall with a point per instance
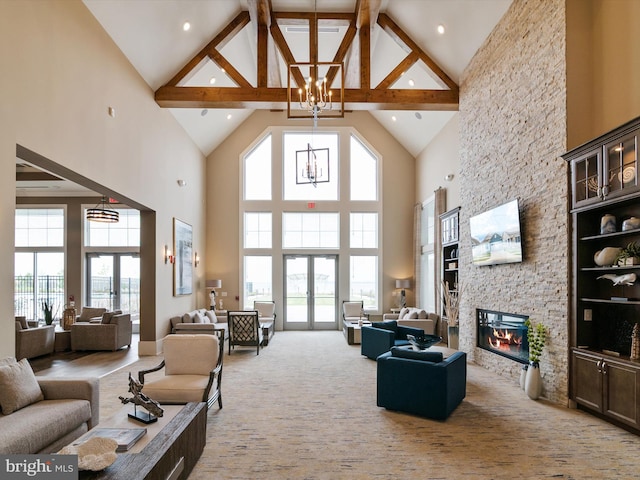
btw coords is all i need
(512, 132)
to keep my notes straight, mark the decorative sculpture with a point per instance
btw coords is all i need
(153, 407)
(607, 256)
(626, 279)
(635, 343)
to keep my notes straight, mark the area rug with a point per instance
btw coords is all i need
(305, 408)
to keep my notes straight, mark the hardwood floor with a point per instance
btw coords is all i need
(93, 364)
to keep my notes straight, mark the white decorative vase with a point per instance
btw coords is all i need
(523, 375)
(533, 382)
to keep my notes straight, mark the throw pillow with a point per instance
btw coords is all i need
(23, 322)
(106, 317)
(197, 318)
(403, 313)
(211, 315)
(187, 318)
(424, 355)
(413, 315)
(18, 387)
(7, 361)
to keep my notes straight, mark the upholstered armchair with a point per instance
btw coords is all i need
(266, 310)
(113, 335)
(353, 311)
(191, 370)
(33, 342)
(244, 329)
(421, 382)
(379, 337)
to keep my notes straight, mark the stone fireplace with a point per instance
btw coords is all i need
(503, 334)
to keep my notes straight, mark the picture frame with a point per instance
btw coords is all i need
(183, 266)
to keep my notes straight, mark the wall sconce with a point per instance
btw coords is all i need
(196, 259)
(169, 257)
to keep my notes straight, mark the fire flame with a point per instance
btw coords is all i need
(503, 338)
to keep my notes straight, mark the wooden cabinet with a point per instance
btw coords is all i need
(607, 167)
(607, 386)
(604, 309)
(450, 252)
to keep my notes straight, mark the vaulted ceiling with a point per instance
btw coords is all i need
(234, 58)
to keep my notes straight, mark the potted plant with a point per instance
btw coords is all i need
(629, 255)
(451, 299)
(47, 309)
(536, 336)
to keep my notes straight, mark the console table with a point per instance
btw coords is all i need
(267, 332)
(169, 450)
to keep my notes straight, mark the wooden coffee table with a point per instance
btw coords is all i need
(352, 331)
(169, 450)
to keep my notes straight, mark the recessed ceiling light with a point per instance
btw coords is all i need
(186, 26)
(393, 117)
(204, 112)
(418, 115)
(212, 80)
(222, 70)
(229, 116)
(440, 29)
(411, 82)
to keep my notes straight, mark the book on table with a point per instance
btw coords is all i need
(126, 437)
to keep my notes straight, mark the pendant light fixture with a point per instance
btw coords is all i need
(100, 213)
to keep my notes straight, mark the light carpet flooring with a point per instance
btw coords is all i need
(305, 408)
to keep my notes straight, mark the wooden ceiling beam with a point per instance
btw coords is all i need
(401, 38)
(400, 69)
(285, 51)
(260, 14)
(276, 98)
(220, 40)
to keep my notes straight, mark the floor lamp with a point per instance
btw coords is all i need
(212, 285)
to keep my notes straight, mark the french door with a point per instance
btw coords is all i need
(113, 281)
(310, 292)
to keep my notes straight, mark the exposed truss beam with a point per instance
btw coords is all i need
(354, 51)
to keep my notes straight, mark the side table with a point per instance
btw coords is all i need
(62, 341)
(353, 332)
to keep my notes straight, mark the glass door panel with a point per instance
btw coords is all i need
(100, 279)
(296, 300)
(129, 287)
(113, 281)
(324, 279)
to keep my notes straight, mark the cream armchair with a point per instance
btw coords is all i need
(192, 370)
(353, 311)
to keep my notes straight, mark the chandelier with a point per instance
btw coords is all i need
(311, 92)
(100, 213)
(312, 165)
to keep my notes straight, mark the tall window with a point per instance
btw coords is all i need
(39, 261)
(257, 171)
(364, 230)
(257, 280)
(364, 172)
(363, 283)
(257, 230)
(427, 257)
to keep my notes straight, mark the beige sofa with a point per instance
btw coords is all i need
(34, 342)
(113, 334)
(65, 409)
(416, 318)
(198, 321)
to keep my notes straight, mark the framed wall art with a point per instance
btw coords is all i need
(183, 266)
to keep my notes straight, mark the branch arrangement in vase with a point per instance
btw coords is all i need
(451, 300)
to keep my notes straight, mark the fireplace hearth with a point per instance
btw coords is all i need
(503, 334)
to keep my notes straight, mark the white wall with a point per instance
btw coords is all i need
(440, 158)
(60, 73)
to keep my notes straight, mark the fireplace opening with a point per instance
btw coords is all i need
(503, 333)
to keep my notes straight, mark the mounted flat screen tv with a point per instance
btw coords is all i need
(495, 235)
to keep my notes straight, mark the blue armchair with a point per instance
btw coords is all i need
(421, 382)
(381, 336)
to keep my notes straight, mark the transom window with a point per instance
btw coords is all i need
(125, 233)
(39, 227)
(310, 230)
(257, 230)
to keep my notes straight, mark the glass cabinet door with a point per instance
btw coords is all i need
(621, 166)
(587, 184)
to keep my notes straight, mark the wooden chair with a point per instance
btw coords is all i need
(192, 371)
(244, 329)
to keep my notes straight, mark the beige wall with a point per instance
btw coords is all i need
(603, 66)
(440, 158)
(223, 216)
(61, 72)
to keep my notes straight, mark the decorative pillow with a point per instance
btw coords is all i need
(106, 317)
(211, 315)
(23, 322)
(424, 355)
(197, 318)
(413, 314)
(187, 318)
(18, 387)
(403, 313)
(7, 361)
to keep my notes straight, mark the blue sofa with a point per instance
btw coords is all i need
(421, 382)
(381, 336)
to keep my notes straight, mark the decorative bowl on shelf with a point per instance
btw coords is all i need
(424, 341)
